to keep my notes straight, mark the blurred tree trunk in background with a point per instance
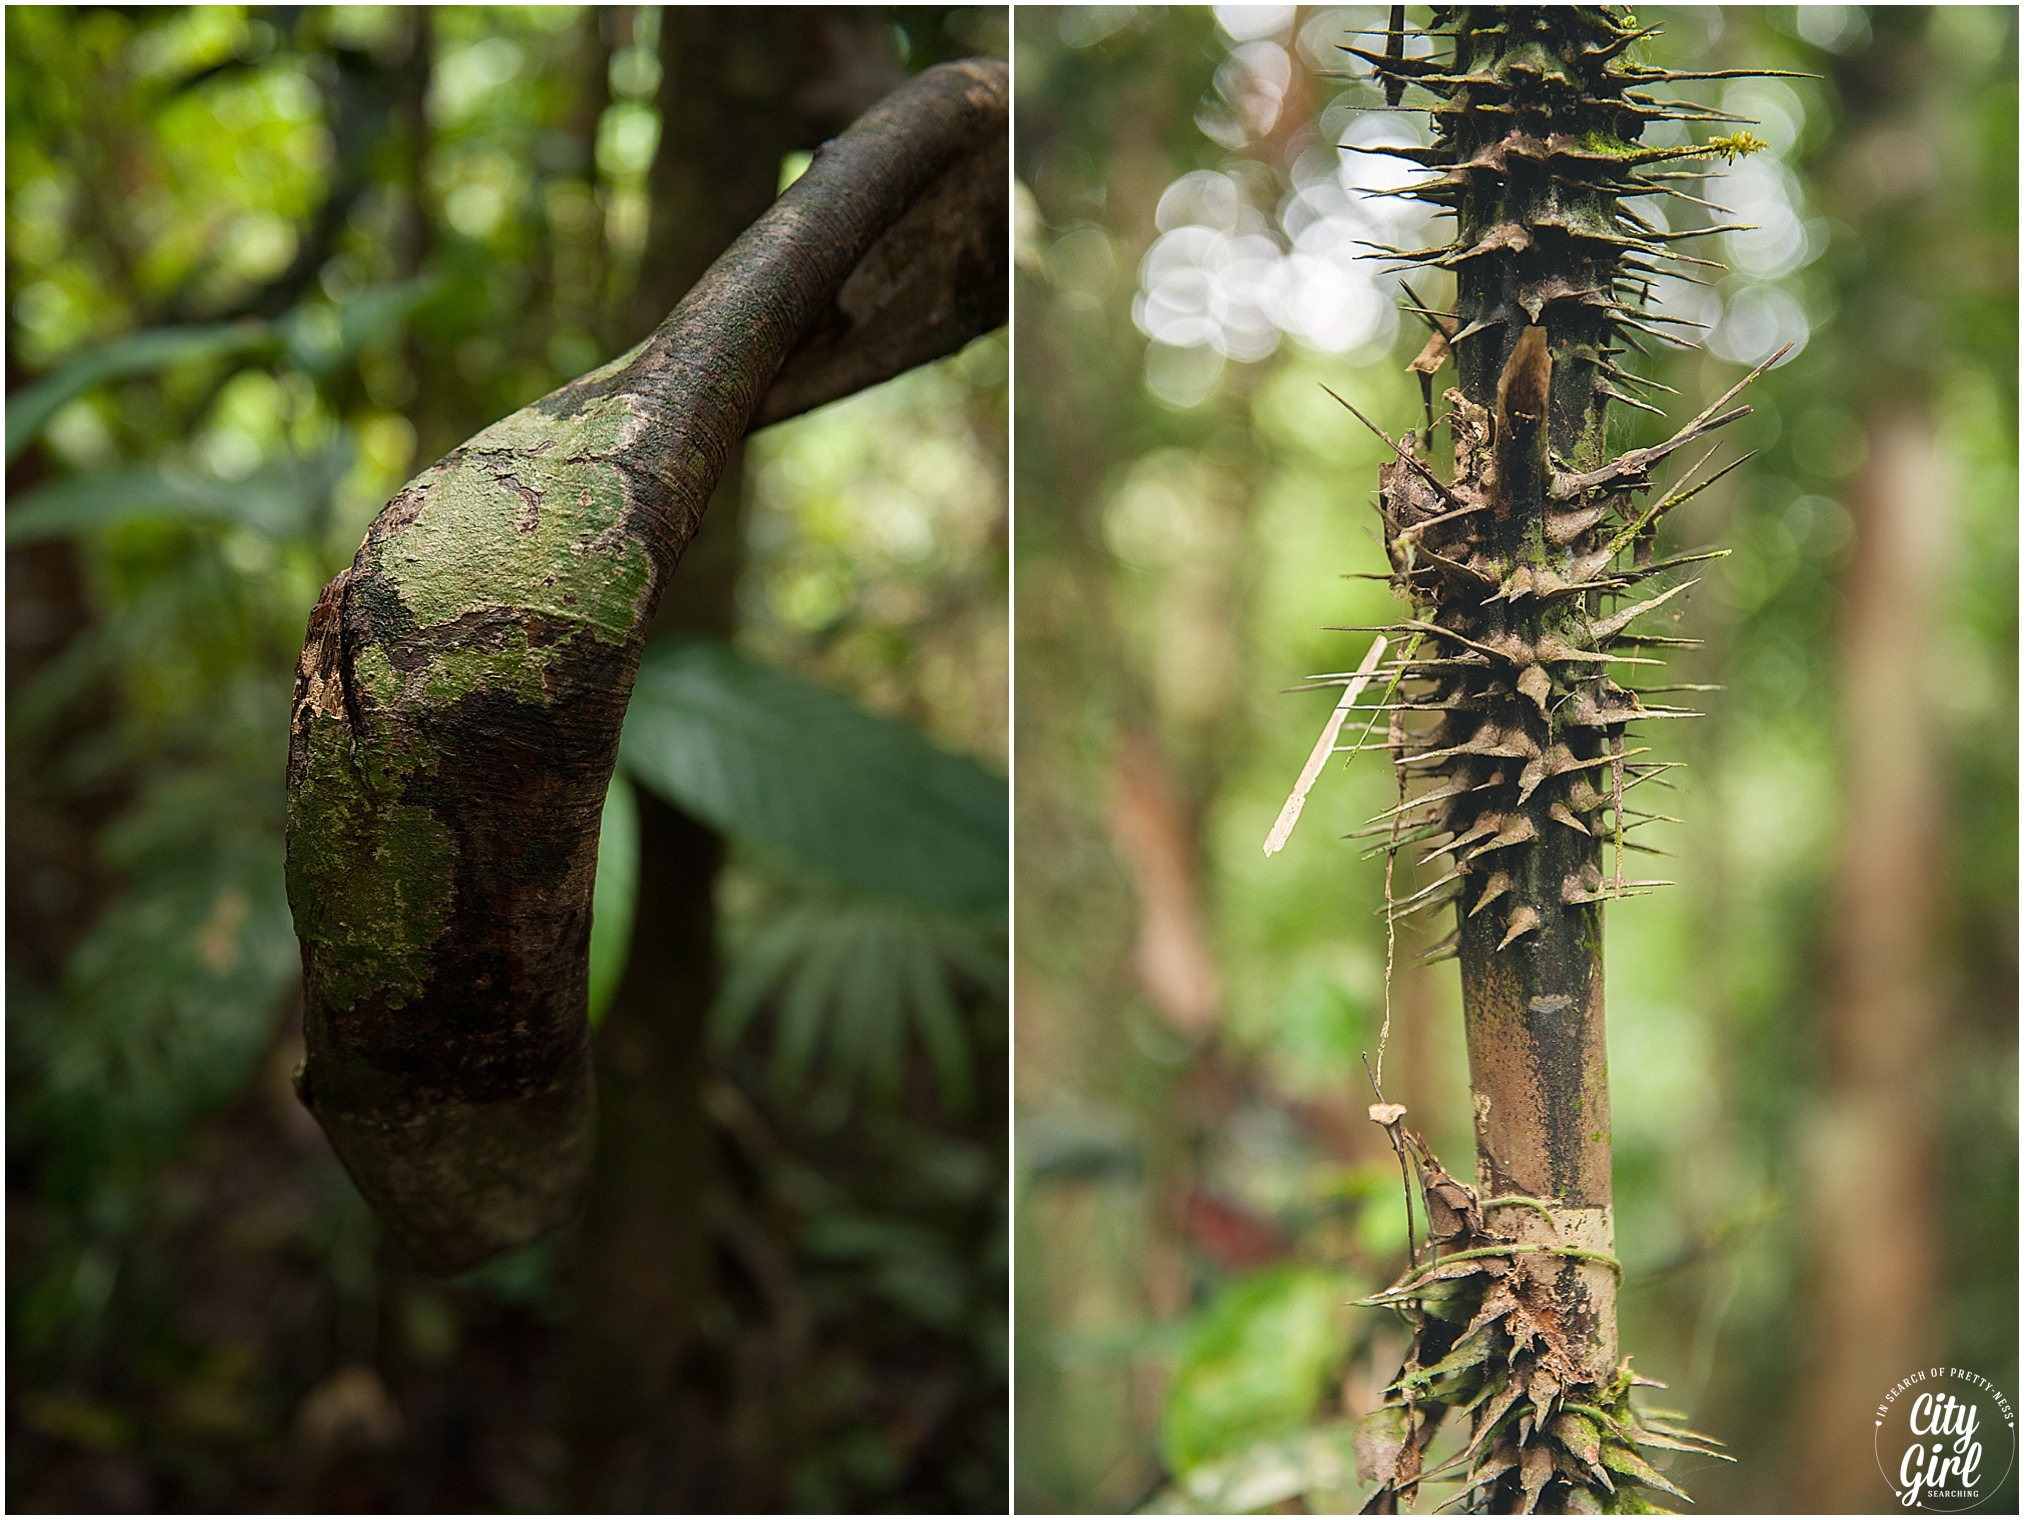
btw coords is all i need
(1870, 1205)
(1157, 723)
(1098, 1252)
(647, 1405)
(410, 125)
(56, 884)
(1158, 835)
(1871, 1199)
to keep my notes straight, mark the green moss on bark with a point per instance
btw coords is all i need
(371, 884)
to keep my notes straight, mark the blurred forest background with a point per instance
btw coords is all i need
(1812, 1036)
(263, 264)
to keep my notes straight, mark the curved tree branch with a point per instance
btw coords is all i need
(933, 282)
(462, 686)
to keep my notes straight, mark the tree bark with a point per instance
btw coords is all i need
(1883, 1264)
(462, 686)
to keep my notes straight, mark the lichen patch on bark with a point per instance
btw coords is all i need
(472, 546)
(374, 900)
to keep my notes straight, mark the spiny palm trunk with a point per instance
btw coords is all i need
(1527, 565)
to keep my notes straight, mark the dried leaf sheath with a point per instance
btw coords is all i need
(460, 693)
(1528, 564)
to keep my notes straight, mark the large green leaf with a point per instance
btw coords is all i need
(139, 353)
(807, 776)
(283, 500)
(1257, 1363)
(849, 978)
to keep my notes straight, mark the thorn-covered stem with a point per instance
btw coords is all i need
(1523, 563)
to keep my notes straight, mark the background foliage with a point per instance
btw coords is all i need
(1812, 1035)
(262, 264)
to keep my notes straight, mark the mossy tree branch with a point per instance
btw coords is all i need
(461, 690)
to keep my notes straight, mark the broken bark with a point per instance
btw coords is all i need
(460, 694)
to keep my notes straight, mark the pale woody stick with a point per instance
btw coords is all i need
(1323, 748)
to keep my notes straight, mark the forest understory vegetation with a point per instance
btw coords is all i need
(1202, 1192)
(351, 239)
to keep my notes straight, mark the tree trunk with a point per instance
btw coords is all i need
(643, 1262)
(1871, 1216)
(740, 89)
(1878, 1184)
(1513, 562)
(460, 694)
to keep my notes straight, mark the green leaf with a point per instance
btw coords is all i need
(755, 971)
(617, 889)
(140, 353)
(843, 976)
(870, 1003)
(810, 988)
(168, 1003)
(806, 775)
(316, 338)
(911, 1265)
(1258, 1362)
(1268, 1473)
(323, 339)
(283, 500)
(941, 1030)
